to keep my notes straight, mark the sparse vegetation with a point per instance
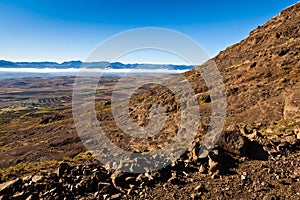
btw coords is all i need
(7, 117)
(83, 156)
(141, 99)
(24, 169)
(284, 67)
(283, 80)
(282, 126)
(41, 112)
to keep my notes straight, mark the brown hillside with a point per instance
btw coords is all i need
(257, 156)
(261, 73)
(261, 77)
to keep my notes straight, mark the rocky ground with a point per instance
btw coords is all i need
(260, 167)
(256, 157)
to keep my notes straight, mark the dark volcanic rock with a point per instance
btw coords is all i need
(10, 187)
(234, 142)
(63, 167)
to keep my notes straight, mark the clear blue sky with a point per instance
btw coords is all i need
(52, 30)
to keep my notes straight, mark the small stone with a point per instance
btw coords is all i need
(282, 146)
(174, 179)
(270, 171)
(243, 177)
(298, 135)
(27, 179)
(49, 193)
(213, 166)
(33, 196)
(96, 195)
(148, 176)
(291, 139)
(86, 172)
(200, 188)
(116, 196)
(254, 135)
(215, 176)
(269, 197)
(63, 167)
(273, 152)
(73, 188)
(102, 184)
(19, 195)
(54, 177)
(202, 169)
(190, 180)
(297, 172)
(37, 178)
(213, 162)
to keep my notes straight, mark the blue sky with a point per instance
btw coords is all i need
(52, 30)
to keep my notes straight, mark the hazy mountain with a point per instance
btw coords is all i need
(78, 64)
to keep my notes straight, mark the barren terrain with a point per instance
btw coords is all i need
(256, 157)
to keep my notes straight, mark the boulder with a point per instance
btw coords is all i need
(10, 187)
(234, 142)
(63, 167)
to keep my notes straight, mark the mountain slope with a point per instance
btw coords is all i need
(261, 73)
(261, 77)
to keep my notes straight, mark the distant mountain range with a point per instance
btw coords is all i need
(101, 65)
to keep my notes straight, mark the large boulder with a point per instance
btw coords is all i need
(234, 142)
(10, 187)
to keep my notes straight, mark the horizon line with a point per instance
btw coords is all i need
(126, 63)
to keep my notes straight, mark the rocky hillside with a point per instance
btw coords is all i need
(261, 73)
(257, 156)
(261, 77)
